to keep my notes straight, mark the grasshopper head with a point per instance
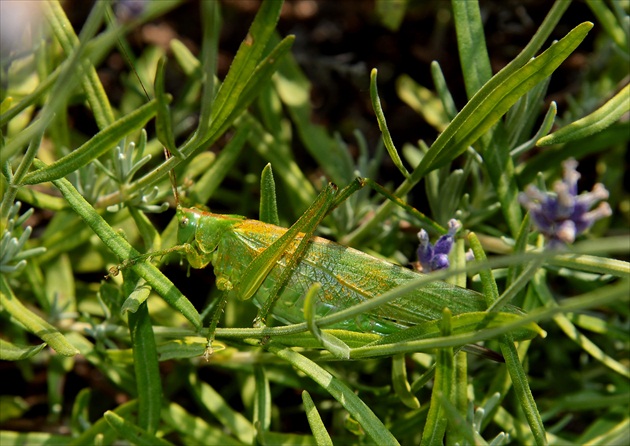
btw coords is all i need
(188, 223)
(202, 231)
(191, 232)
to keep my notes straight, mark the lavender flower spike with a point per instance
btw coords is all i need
(562, 215)
(432, 258)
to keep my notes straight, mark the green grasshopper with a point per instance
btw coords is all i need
(275, 267)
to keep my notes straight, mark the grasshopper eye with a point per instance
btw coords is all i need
(187, 226)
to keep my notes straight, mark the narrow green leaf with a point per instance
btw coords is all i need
(211, 25)
(619, 433)
(57, 374)
(461, 324)
(490, 289)
(212, 401)
(133, 432)
(391, 12)
(460, 402)
(422, 100)
(286, 439)
(458, 262)
(401, 385)
(31, 438)
(195, 429)
(514, 366)
(263, 399)
(60, 285)
(272, 115)
(98, 100)
(150, 236)
(30, 99)
(58, 97)
(101, 428)
(460, 430)
(81, 411)
(520, 283)
(163, 122)
(187, 61)
(34, 323)
(448, 103)
(268, 203)
(500, 167)
(148, 382)
(596, 324)
(448, 198)
(250, 50)
(595, 122)
(509, 423)
(64, 233)
(306, 340)
(493, 101)
(32, 136)
(612, 27)
(435, 426)
(262, 142)
(260, 78)
(12, 352)
(137, 297)
(519, 247)
(6, 104)
(521, 118)
(95, 147)
(382, 125)
(315, 421)
(338, 390)
(186, 347)
(116, 371)
(471, 45)
(328, 341)
(242, 68)
(595, 264)
(544, 129)
(40, 199)
(522, 390)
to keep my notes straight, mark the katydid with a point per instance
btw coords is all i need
(275, 267)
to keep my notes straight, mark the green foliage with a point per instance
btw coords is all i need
(143, 329)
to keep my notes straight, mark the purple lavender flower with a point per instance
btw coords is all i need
(127, 10)
(432, 258)
(562, 215)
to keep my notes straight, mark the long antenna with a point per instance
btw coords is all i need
(167, 153)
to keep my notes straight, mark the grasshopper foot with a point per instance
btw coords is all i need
(259, 322)
(209, 351)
